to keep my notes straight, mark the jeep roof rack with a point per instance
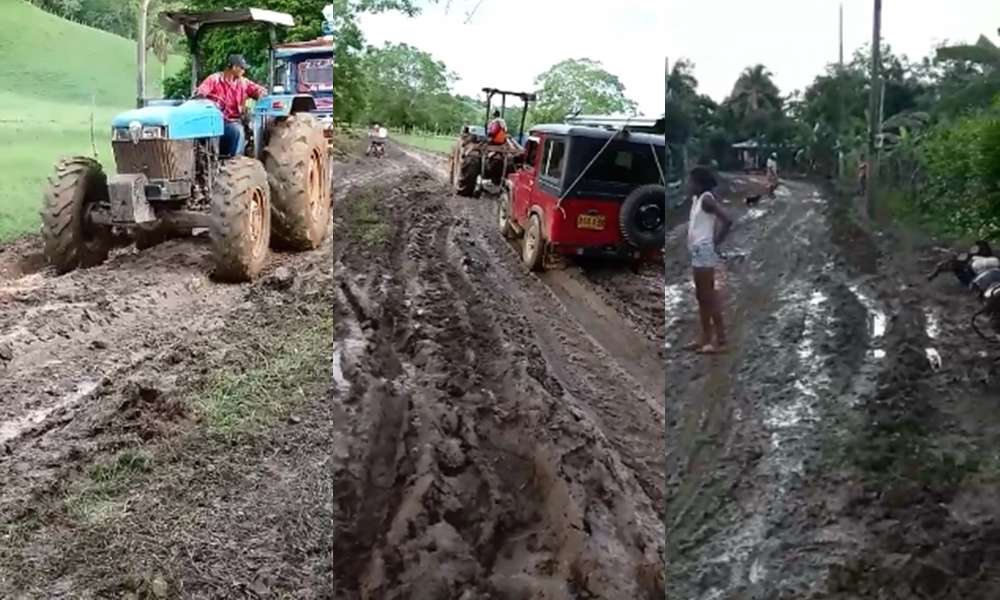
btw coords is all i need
(616, 122)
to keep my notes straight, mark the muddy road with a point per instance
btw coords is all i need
(498, 434)
(151, 426)
(840, 449)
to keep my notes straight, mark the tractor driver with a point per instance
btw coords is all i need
(230, 90)
(496, 131)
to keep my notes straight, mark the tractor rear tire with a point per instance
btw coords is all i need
(642, 217)
(69, 241)
(298, 172)
(468, 174)
(241, 220)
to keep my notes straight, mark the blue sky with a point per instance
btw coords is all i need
(628, 40)
(797, 38)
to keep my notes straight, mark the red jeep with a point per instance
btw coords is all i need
(586, 191)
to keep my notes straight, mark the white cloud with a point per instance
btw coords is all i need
(508, 43)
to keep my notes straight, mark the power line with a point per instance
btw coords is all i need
(470, 14)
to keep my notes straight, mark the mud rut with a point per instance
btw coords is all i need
(487, 446)
(767, 499)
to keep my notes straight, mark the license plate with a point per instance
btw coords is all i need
(595, 222)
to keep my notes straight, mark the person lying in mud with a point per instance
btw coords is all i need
(708, 226)
(967, 266)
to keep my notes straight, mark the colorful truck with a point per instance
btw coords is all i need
(307, 68)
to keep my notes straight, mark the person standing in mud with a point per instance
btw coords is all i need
(708, 226)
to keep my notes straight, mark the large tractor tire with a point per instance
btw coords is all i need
(468, 174)
(241, 220)
(642, 217)
(298, 171)
(69, 240)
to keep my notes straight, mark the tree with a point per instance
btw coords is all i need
(406, 87)
(754, 93)
(579, 86)
(974, 78)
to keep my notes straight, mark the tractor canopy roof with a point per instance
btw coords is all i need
(599, 133)
(184, 21)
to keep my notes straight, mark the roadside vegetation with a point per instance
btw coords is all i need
(939, 163)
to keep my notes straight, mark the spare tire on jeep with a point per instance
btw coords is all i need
(642, 217)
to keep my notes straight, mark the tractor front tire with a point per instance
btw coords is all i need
(69, 240)
(241, 220)
(298, 172)
(503, 215)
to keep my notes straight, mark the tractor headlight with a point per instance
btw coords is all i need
(134, 134)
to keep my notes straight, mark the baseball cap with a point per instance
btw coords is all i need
(237, 60)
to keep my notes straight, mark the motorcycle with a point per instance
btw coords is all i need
(376, 148)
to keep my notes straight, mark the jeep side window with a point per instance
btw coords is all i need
(554, 157)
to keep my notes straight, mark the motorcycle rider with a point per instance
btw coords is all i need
(378, 136)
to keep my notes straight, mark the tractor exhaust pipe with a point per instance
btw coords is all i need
(140, 43)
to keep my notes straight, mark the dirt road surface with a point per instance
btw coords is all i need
(846, 446)
(499, 434)
(163, 435)
(482, 432)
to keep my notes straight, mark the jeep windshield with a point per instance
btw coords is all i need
(621, 167)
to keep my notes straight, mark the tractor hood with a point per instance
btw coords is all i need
(190, 120)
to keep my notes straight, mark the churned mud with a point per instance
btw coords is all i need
(163, 435)
(845, 447)
(498, 434)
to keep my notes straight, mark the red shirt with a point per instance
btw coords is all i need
(230, 95)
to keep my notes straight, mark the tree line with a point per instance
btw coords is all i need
(939, 139)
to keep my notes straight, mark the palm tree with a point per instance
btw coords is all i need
(755, 92)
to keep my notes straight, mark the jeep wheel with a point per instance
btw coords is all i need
(503, 215)
(298, 172)
(70, 241)
(241, 220)
(642, 217)
(534, 244)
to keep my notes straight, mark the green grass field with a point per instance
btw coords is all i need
(53, 76)
(436, 143)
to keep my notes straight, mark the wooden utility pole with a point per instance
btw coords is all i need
(140, 43)
(874, 107)
(840, 60)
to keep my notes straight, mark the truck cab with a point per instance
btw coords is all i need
(307, 68)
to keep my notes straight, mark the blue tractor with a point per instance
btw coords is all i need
(171, 178)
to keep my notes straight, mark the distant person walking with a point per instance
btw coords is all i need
(772, 174)
(708, 226)
(862, 176)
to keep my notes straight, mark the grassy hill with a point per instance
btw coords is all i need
(54, 75)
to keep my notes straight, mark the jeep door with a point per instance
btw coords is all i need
(524, 182)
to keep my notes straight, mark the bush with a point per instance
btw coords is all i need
(962, 163)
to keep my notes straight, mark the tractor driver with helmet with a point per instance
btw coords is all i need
(230, 89)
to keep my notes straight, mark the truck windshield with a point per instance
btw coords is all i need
(316, 75)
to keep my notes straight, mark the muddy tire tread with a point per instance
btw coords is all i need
(286, 159)
(75, 180)
(236, 180)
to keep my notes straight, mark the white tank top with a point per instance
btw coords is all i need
(701, 225)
